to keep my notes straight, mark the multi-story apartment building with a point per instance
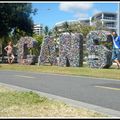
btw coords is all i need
(38, 29)
(86, 21)
(108, 19)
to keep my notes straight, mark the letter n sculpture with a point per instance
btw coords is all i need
(71, 50)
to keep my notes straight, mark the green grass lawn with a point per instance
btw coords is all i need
(15, 103)
(111, 73)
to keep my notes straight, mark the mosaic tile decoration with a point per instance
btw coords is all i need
(48, 51)
(99, 49)
(24, 57)
(71, 50)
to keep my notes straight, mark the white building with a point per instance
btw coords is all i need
(108, 19)
(38, 29)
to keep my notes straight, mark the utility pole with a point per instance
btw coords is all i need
(118, 19)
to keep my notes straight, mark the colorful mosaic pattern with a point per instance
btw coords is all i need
(24, 44)
(48, 51)
(99, 47)
(71, 50)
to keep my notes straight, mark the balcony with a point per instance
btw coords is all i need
(111, 26)
(109, 18)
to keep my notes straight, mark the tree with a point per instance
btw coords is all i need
(55, 31)
(66, 26)
(80, 28)
(50, 32)
(15, 21)
(14, 16)
(98, 25)
(46, 30)
(39, 39)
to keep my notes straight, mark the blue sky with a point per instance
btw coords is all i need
(49, 13)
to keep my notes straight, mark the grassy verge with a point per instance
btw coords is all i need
(111, 73)
(29, 104)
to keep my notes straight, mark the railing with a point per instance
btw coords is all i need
(111, 26)
(110, 18)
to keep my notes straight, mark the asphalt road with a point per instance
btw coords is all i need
(99, 92)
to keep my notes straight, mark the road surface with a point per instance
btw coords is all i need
(104, 93)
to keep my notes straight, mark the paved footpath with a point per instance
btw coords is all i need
(98, 94)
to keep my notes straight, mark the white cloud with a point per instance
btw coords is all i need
(75, 6)
(95, 11)
(81, 15)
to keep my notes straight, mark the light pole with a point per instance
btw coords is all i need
(118, 19)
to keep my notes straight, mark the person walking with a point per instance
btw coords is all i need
(9, 50)
(116, 49)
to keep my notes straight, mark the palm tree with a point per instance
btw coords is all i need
(46, 30)
(66, 26)
(50, 32)
(99, 26)
(55, 31)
